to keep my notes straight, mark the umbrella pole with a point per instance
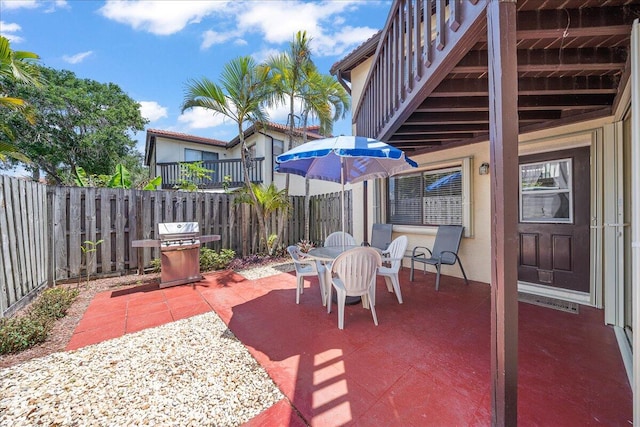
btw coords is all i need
(342, 182)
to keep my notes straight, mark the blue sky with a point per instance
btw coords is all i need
(151, 48)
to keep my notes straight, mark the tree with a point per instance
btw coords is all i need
(325, 99)
(78, 122)
(289, 73)
(15, 67)
(269, 200)
(241, 96)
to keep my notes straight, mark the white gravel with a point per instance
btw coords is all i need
(191, 372)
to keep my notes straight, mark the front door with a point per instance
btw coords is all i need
(553, 226)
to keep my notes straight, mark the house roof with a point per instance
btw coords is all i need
(311, 131)
(356, 57)
(573, 63)
(153, 133)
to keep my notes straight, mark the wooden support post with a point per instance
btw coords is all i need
(503, 136)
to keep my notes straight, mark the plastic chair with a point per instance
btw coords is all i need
(335, 239)
(381, 236)
(355, 275)
(395, 253)
(306, 268)
(445, 251)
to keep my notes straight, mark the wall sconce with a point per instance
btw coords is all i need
(484, 169)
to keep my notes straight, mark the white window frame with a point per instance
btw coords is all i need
(466, 164)
(568, 191)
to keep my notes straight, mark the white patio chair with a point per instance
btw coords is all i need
(306, 268)
(393, 258)
(335, 239)
(354, 275)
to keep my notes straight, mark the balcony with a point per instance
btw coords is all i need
(227, 173)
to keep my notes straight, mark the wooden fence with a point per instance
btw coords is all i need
(44, 229)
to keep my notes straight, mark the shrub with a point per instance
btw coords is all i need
(21, 333)
(54, 303)
(212, 260)
(305, 245)
(155, 265)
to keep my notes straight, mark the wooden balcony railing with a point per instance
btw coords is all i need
(223, 172)
(413, 56)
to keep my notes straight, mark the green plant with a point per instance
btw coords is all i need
(155, 265)
(212, 260)
(21, 333)
(54, 303)
(305, 245)
(89, 250)
(191, 174)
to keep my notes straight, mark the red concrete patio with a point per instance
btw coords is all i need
(427, 363)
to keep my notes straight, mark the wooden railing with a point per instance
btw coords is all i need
(414, 55)
(223, 172)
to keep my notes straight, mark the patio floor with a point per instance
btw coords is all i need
(427, 363)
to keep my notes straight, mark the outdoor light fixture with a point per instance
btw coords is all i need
(484, 169)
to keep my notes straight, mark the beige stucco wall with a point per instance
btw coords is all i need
(475, 249)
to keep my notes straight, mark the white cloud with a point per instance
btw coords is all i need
(210, 37)
(264, 54)
(152, 111)
(58, 4)
(77, 58)
(160, 17)
(18, 4)
(7, 29)
(201, 118)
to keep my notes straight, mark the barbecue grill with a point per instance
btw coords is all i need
(179, 244)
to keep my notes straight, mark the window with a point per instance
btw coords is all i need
(197, 155)
(433, 197)
(546, 192)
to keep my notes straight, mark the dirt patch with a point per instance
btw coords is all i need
(63, 329)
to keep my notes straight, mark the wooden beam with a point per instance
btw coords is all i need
(503, 143)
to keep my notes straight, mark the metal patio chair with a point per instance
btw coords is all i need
(381, 236)
(445, 251)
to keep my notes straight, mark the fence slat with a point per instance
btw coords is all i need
(105, 230)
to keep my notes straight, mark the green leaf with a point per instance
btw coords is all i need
(80, 177)
(121, 179)
(154, 183)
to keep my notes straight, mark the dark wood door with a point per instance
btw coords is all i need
(554, 210)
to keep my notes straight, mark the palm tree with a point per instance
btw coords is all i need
(289, 71)
(326, 100)
(241, 96)
(18, 67)
(271, 200)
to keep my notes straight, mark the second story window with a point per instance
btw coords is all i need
(197, 155)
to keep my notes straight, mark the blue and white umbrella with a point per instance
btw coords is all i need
(344, 159)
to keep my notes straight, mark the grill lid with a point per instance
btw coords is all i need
(178, 230)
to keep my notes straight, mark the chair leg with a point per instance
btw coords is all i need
(463, 273)
(387, 281)
(342, 296)
(396, 287)
(299, 287)
(372, 306)
(437, 276)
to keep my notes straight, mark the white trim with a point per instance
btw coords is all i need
(559, 293)
(635, 211)
(625, 352)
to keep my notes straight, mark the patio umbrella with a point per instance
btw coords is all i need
(344, 159)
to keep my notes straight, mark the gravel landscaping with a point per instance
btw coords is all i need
(191, 372)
